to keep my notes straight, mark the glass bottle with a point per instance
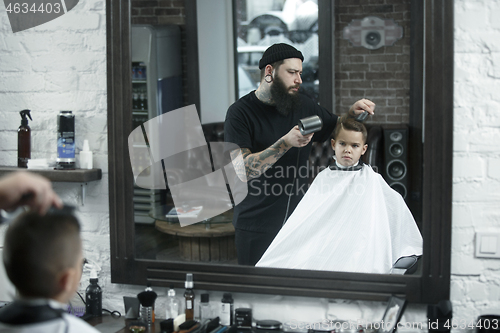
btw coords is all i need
(135, 100)
(205, 310)
(143, 102)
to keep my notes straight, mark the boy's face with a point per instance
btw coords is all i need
(348, 147)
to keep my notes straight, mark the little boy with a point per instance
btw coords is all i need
(349, 220)
(43, 259)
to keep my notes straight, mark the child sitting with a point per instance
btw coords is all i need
(349, 220)
(43, 259)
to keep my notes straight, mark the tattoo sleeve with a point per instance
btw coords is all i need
(256, 164)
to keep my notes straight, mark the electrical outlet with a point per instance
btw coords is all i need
(487, 244)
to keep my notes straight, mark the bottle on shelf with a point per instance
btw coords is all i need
(24, 140)
(93, 295)
(226, 310)
(143, 101)
(172, 309)
(135, 101)
(189, 297)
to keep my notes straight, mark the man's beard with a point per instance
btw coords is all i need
(285, 101)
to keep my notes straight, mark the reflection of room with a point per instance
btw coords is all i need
(382, 75)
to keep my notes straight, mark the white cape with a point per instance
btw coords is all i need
(348, 221)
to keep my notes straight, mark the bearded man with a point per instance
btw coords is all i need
(275, 154)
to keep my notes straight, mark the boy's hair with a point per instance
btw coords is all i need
(38, 248)
(350, 124)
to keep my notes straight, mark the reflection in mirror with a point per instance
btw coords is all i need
(432, 193)
(156, 53)
(261, 23)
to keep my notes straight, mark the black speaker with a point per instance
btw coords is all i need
(396, 159)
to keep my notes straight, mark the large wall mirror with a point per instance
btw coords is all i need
(431, 127)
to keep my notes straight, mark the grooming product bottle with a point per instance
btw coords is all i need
(226, 310)
(65, 140)
(243, 317)
(24, 140)
(189, 297)
(172, 304)
(205, 311)
(93, 296)
(147, 299)
(86, 156)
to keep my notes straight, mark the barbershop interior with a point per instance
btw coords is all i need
(144, 87)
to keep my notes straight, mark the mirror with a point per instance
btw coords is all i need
(432, 91)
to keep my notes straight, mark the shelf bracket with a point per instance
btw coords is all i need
(84, 192)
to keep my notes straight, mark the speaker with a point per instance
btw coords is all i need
(396, 159)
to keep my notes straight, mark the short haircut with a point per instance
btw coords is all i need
(350, 124)
(274, 65)
(38, 248)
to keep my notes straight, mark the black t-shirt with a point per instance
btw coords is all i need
(254, 125)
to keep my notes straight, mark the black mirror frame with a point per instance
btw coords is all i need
(432, 91)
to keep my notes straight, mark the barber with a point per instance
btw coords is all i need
(275, 154)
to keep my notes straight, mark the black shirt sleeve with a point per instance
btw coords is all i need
(237, 129)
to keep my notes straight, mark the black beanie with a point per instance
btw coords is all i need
(277, 52)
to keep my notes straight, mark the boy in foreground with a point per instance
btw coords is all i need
(349, 220)
(43, 259)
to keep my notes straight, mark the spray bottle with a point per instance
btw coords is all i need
(24, 140)
(93, 293)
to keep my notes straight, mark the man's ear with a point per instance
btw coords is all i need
(333, 144)
(269, 70)
(365, 147)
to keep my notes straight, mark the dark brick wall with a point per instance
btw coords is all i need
(381, 75)
(158, 12)
(163, 12)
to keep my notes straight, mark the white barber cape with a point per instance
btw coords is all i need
(348, 221)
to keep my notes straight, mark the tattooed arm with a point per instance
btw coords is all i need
(253, 165)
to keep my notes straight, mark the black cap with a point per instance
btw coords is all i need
(277, 52)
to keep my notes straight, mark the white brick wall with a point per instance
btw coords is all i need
(476, 171)
(62, 66)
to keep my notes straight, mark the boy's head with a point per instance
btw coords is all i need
(349, 141)
(43, 255)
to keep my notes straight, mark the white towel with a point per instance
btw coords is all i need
(348, 221)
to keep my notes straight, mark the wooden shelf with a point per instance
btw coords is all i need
(74, 176)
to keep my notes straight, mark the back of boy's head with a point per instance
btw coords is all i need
(350, 124)
(37, 249)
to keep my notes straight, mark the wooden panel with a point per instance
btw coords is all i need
(77, 175)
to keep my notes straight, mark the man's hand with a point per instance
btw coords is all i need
(25, 188)
(295, 139)
(361, 106)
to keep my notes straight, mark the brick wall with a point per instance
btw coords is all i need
(77, 81)
(157, 12)
(476, 158)
(381, 75)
